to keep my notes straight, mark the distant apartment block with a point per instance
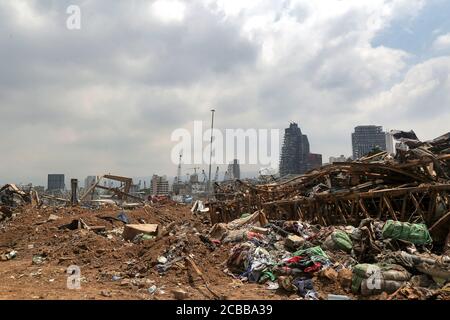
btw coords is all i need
(366, 138)
(159, 185)
(314, 161)
(55, 182)
(296, 157)
(89, 181)
(234, 170)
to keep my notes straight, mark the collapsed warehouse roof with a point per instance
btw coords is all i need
(413, 186)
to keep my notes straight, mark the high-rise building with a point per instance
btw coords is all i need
(367, 138)
(296, 157)
(234, 170)
(159, 186)
(55, 182)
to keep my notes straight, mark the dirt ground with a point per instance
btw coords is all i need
(112, 268)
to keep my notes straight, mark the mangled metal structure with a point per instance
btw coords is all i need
(12, 198)
(122, 193)
(414, 186)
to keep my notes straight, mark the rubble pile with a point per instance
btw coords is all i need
(379, 225)
(11, 199)
(376, 260)
(374, 228)
(173, 253)
(168, 253)
(412, 187)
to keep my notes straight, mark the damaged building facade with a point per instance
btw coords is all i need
(56, 182)
(367, 138)
(296, 157)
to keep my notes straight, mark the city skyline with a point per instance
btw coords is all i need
(186, 168)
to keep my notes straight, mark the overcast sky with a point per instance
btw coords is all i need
(106, 98)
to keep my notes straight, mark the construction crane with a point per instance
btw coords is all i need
(179, 169)
(216, 176)
(205, 177)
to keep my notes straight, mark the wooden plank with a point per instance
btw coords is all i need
(352, 210)
(417, 205)
(340, 211)
(388, 204)
(380, 208)
(441, 220)
(363, 208)
(431, 207)
(300, 213)
(405, 201)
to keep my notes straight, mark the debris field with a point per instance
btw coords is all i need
(374, 228)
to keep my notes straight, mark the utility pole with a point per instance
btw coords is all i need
(74, 189)
(210, 150)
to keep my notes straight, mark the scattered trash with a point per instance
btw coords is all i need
(162, 260)
(106, 293)
(304, 286)
(123, 217)
(199, 207)
(338, 297)
(8, 256)
(142, 237)
(152, 289)
(272, 285)
(339, 240)
(414, 233)
(38, 259)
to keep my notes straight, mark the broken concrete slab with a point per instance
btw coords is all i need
(53, 217)
(130, 231)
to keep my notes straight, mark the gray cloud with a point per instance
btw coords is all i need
(106, 98)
